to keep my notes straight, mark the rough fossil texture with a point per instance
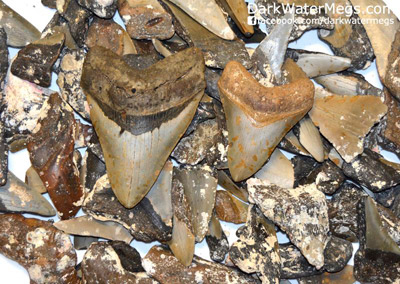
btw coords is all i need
(101, 8)
(230, 209)
(216, 240)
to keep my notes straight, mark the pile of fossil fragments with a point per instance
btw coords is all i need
(172, 106)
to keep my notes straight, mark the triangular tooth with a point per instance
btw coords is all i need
(345, 121)
(310, 138)
(292, 144)
(19, 31)
(216, 240)
(16, 196)
(237, 10)
(140, 115)
(59, 25)
(209, 15)
(225, 182)
(161, 49)
(32, 179)
(278, 170)
(88, 226)
(301, 212)
(258, 117)
(230, 209)
(317, 64)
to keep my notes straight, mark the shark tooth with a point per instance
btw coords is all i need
(158, 45)
(110, 35)
(19, 31)
(16, 196)
(32, 179)
(209, 15)
(51, 149)
(83, 243)
(344, 277)
(45, 252)
(392, 72)
(345, 121)
(257, 249)
(216, 240)
(303, 166)
(369, 170)
(102, 9)
(217, 51)
(310, 138)
(278, 170)
(141, 61)
(132, 108)
(35, 61)
(88, 226)
(316, 64)
(230, 209)
(206, 110)
(237, 10)
(380, 34)
(348, 38)
(59, 25)
(212, 76)
(291, 144)
(310, 232)
(226, 182)
(391, 131)
(162, 265)
(68, 81)
(256, 122)
(143, 221)
(146, 19)
(113, 262)
(3, 57)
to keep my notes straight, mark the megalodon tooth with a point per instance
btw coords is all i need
(140, 115)
(259, 117)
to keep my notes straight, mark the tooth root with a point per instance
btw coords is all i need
(345, 121)
(311, 139)
(209, 15)
(237, 10)
(259, 117)
(138, 133)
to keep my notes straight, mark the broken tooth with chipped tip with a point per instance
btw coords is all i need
(259, 117)
(140, 115)
(237, 10)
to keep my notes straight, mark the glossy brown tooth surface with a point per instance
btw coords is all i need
(101, 8)
(258, 117)
(301, 212)
(217, 51)
(146, 19)
(162, 265)
(19, 31)
(149, 109)
(113, 263)
(35, 61)
(345, 121)
(51, 149)
(230, 209)
(109, 34)
(45, 252)
(237, 10)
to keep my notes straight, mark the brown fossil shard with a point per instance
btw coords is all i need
(391, 131)
(393, 70)
(237, 10)
(50, 3)
(16, 196)
(88, 226)
(162, 265)
(35, 61)
(217, 51)
(230, 209)
(19, 31)
(258, 117)
(301, 212)
(101, 8)
(59, 25)
(216, 240)
(140, 115)
(110, 35)
(113, 262)
(51, 149)
(344, 276)
(345, 121)
(45, 252)
(146, 19)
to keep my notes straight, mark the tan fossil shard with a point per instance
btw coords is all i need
(209, 15)
(226, 182)
(230, 209)
(259, 117)
(32, 179)
(140, 115)
(292, 144)
(345, 121)
(310, 138)
(237, 10)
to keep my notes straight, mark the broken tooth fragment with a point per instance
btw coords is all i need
(258, 117)
(140, 115)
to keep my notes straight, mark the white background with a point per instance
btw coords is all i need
(19, 162)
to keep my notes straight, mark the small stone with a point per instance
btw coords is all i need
(59, 25)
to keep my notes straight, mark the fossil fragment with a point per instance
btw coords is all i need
(237, 10)
(19, 31)
(45, 252)
(3, 73)
(259, 117)
(216, 240)
(146, 19)
(301, 212)
(32, 179)
(3, 57)
(50, 3)
(88, 226)
(16, 196)
(113, 262)
(303, 167)
(257, 250)
(162, 265)
(292, 144)
(230, 209)
(51, 149)
(129, 107)
(206, 110)
(335, 116)
(59, 25)
(92, 169)
(310, 138)
(212, 76)
(83, 243)
(370, 170)
(35, 61)
(101, 8)
(344, 277)
(226, 182)
(393, 72)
